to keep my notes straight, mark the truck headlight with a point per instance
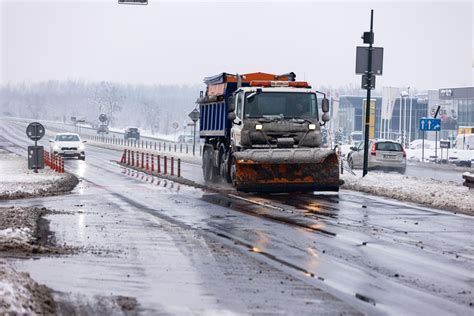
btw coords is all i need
(258, 127)
(312, 127)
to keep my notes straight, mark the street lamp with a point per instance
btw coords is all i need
(409, 123)
(403, 94)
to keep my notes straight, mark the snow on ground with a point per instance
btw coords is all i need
(416, 154)
(20, 295)
(18, 181)
(440, 194)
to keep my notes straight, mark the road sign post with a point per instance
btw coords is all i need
(35, 131)
(194, 116)
(369, 62)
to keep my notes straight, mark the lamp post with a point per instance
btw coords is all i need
(411, 114)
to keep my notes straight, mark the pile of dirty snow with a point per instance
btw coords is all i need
(17, 181)
(440, 194)
(21, 295)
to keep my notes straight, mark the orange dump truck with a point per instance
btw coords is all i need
(263, 134)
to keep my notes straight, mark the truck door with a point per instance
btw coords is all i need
(237, 124)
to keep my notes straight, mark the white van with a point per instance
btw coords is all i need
(465, 141)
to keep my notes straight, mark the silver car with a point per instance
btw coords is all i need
(384, 155)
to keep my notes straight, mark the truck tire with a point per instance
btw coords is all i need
(209, 172)
(224, 168)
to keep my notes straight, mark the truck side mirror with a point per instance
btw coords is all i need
(325, 106)
(231, 116)
(231, 104)
(325, 117)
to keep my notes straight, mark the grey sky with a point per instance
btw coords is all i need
(427, 44)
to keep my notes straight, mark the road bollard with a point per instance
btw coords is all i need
(169, 147)
(147, 161)
(143, 160)
(138, 159)
(128, 158)
(180, 148)
(175, 147)
(133, 158)
(158, 166)
(165, 165)
(155, 146)
(159, 146)
(179, 168)
(186, 148)
(172, 166)
(124, 155)
(62, 165)
(152, 163)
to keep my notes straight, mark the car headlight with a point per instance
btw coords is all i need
(81, 146)
(56, 147)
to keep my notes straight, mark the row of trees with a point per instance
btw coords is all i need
(154, 108)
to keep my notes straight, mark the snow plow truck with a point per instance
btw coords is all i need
(263, 134)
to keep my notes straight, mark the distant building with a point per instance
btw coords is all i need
(350, 114)
(456, 109)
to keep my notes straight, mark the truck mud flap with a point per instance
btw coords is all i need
(286, 170)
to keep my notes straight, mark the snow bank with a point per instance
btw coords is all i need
(22, 234)
(17, 181)
(440, 194)
(20, 295)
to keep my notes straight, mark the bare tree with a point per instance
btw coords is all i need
(151, 113)
(108, 99)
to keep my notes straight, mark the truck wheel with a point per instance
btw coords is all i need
(233, 171)
(209, 172)
(225, 169)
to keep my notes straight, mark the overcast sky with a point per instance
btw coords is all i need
(427, 44)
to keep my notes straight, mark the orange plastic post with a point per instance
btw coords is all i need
(165, 165)
(172, 166)
(153, 162)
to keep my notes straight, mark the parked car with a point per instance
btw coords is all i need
(68, 145)
(132, 133)
(384, 155)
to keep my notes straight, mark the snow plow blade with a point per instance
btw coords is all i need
(287, 170)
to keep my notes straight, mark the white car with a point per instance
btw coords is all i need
(68, 145)
(384, 155)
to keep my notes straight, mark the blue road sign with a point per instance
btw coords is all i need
(430, 124)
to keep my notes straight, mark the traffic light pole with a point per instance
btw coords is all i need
(367, 103)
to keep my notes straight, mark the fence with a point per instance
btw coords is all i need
(162, 146)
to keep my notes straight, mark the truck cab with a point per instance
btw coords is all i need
(275, 117)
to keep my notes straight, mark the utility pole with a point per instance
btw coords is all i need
(369, 64)
(370, 41)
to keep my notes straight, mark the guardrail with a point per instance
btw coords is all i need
(146, 161)
(468, 180)
(148, 144)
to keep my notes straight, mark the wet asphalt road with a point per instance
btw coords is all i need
(145, 235)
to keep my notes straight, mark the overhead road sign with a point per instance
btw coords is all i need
(430, 124)
(141, 2)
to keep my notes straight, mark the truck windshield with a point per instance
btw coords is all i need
(281, 105)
